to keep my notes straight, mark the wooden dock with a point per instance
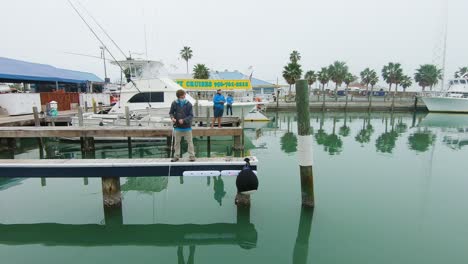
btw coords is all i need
(72, 168)
(42, 132)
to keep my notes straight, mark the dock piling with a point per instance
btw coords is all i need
(80, 117)
(94, 107)
(129, 139)
(37, 121)
(304, 143)
(111, 192)
(242, 200)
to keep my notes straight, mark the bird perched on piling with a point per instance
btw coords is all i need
(247, 181)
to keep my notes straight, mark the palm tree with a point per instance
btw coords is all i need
(462, 73)
(406, 82)
(349, 78)
(200, 71)
(365, 79)
(337, 72)
(373, 80)
(323, 78)
(291, 73)
(295, 56)
(186, 54)
(392, 74)
(428, 75)
(311, 78)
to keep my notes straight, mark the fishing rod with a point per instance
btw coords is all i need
(110, 53)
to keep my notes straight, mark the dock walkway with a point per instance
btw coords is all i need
(42, 132)
(97, 168)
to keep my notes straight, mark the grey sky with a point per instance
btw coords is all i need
(237, 34)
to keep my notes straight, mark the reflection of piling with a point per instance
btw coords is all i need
(304, 143)
(301, 247)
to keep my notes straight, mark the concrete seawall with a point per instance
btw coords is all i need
(405, 106)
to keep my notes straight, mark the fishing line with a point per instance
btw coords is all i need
(105, 47)
(99, 25)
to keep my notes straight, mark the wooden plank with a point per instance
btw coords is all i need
(33, 132)
(73, 168)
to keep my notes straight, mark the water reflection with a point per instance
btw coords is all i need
(366, 131)
(219, 192)
(420, 141)
(145, 184)
(301, 247)
(289, 139)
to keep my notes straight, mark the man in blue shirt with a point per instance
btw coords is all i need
(181, 114)
(218, 107)
(229, 101)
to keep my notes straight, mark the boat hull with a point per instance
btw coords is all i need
(446, 104)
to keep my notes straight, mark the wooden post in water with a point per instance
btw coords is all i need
(37, 122)
(100, 108)
(208, 117)
(94, 107)
(242, 126)
(86, 106)
(111, 192)
(80, 117)
(129, 139)
(304, 151)
(112, 200)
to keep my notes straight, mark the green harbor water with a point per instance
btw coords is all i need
(388, 189)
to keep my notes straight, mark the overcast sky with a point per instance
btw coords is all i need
(237, 34)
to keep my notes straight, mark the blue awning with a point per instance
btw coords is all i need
(15, 70)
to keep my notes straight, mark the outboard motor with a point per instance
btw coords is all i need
(247, 181)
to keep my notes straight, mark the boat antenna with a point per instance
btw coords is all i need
(103, 30)
(110, 53)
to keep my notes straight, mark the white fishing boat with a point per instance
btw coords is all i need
(149, 96)
(454, 99)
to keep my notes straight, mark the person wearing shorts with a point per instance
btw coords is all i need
(218, 108)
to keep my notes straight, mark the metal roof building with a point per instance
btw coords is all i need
(12, 70)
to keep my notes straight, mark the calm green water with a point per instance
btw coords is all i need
(389, 189)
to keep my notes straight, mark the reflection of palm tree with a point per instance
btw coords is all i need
(333, 143)
(421, 140)
(145, 184)
(321, 136)
(345, 130)
(401, 127)
(365, 133)
(386, 142)
(180, 255)
(218, 187)
(289, 142)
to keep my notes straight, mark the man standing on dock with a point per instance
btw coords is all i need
(181, 115)
(229, 101)
(218, 107)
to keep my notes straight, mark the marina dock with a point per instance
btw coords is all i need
(41, 132)
(97, 168)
